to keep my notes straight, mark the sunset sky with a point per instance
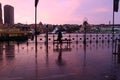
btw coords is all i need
(64, 11)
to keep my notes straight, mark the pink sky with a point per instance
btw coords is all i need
(63, 11)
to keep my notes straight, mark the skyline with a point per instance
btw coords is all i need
(63, 12)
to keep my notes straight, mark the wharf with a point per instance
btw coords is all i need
(93, 61)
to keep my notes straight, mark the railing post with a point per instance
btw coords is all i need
(69, 36)
(90, 38)
(97, 38)
(77, 39)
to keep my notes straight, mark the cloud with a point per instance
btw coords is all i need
(62, 11)
(101, 10)
(58, 10)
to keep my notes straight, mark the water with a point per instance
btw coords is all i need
(93, 61)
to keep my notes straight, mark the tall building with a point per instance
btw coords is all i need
(1, 21)
(8, 14)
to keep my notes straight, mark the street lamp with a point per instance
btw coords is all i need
(36, 3)
(85, 23)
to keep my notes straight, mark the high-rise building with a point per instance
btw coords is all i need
(8, 14)
(1, 21)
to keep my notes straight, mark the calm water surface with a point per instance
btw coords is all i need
(93, 61)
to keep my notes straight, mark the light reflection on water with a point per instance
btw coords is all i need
(92, 61)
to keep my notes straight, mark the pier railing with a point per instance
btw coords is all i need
(76, 37)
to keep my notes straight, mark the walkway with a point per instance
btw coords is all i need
(74, 62)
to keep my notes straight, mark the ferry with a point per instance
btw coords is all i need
(13, 34)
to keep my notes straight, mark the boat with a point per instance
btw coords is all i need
(13, 35)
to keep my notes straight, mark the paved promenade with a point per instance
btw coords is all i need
(94, 61)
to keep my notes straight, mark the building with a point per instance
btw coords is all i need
(1, 21)
(8, 14)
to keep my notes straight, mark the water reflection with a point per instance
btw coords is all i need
(118, 53)
(60, 61)
(9, 50)
(66, 48)
(1, 51)
(36, 66)
(47, 56)
(27, 46)
(84, 62)
(97, 45)
(63, 47)
(18, 46)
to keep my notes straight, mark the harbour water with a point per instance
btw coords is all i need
(76, 61)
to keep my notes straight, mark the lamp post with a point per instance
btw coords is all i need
(46, 42)
(85, 23)
(36, 3)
